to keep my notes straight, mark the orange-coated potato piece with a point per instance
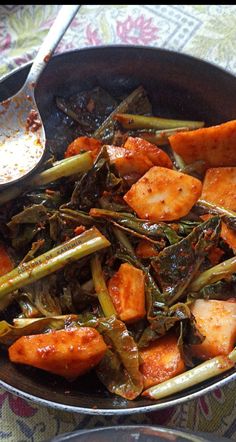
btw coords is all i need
(68, 353)
(136, 157)
(161, 361)
(82, 144)
(216, 320)
(163, 194)
(219, 186)
(130, 165)
(6, 264)
(157, 156)
(229, 236)
(126, 288)
(216, 145)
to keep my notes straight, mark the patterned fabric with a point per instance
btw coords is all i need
(205, 31)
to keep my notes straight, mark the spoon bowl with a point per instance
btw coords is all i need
(22, 135)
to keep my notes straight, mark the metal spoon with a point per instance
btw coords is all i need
(22, 135)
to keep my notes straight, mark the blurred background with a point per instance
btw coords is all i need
(205, 31)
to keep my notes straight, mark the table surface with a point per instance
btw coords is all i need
(204, 31)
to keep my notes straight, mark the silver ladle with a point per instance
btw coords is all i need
(22, 135)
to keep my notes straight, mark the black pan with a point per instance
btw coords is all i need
(179, 86)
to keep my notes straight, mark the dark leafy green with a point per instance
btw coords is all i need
(188, 335)
(119, 368)
(92, 184)
(137, 102)
(143, 227)
(164, 320)
(177, 265)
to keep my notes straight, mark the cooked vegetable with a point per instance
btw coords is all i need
(223, 289)
(90, 187)
(119, 368)
(137, 102)
(223, 270)
(29, 326)
(157, 156)
(219, 187)
(145, 249)
(81, 144)
(209, 144)
(177, 265)
(216, 321)
(68, 353)
(130, 121)
(101, 288)
(232, 355)
(123, 253)
(130, 165)
(126, 289)
(161, 319)
(161, 360)
(204, 207)
(6, 263)
(190, 378)
(160, 137)
(228, 234)
(26, 273)
(163, 194)
(148, 229)
(136, 157)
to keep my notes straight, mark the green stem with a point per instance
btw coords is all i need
(122, 238)
(160, 137)
(23, 322)
(196, 375)
(214, 209)
(178, 161)
(101, 288)
(216, 273)
(88, 242)
(130, 121)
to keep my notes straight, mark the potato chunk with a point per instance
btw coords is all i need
(157, 156)
(161, 361)
(6, 264)
(126, 288)
(219, 186)
(216, 320)
(216, 145)
(82, 144)
(137, 157)
(130, 165)
(68, 353)
(163, 194)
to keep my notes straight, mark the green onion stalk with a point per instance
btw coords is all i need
(55, 259)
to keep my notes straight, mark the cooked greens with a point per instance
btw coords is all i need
(75, 256)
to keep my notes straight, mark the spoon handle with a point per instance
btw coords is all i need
(57, 30)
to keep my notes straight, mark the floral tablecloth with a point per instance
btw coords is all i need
(205, 31)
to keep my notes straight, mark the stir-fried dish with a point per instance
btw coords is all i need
(118, 257)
